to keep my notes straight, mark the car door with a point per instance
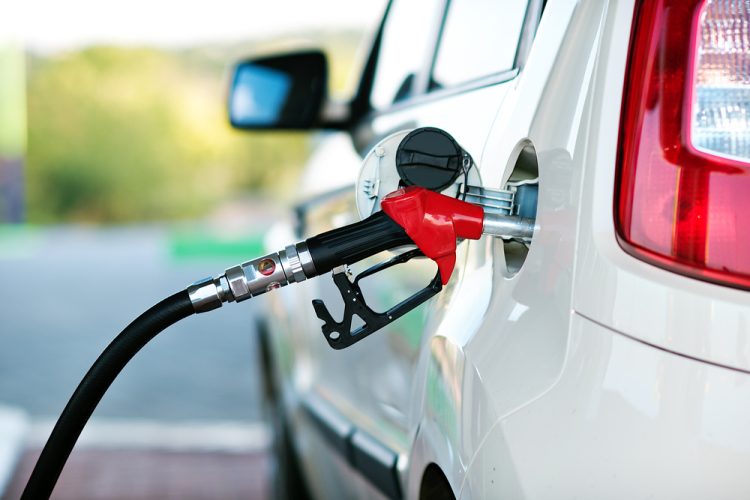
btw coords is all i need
(438, 63)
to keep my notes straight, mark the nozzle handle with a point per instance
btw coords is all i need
(352, 243)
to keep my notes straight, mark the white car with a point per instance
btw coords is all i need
(608, 358)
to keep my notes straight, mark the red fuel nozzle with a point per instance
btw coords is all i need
(434, 222)
(430, 220)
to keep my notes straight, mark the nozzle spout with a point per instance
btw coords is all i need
(508, 226)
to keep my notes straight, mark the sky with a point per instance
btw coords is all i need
(53, 25)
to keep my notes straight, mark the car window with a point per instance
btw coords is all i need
(480, 38)
(407, 42)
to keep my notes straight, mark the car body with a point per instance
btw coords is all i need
(572, 368)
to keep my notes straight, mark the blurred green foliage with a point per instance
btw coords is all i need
(12, 100)
(136, 134)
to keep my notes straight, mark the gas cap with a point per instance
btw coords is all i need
(426, 157)
(430, 158)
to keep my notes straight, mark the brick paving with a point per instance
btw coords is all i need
(133, 474)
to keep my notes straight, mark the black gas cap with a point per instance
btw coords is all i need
(430, 158)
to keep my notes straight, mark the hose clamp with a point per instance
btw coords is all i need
(306, 260)
(292, 265)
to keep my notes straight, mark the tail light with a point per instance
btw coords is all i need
(682, 197)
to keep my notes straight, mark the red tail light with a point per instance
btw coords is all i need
(683, 183)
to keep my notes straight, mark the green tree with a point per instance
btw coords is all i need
(120, 134)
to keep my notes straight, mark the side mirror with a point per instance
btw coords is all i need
(279, 92)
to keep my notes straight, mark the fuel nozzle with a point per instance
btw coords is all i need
(436, 222)
(431, 221)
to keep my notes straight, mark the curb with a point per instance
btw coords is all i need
(14, 430)
(187, 436)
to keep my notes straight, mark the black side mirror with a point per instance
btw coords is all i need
(279, 92)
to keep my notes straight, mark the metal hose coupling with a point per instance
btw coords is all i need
(252, 278)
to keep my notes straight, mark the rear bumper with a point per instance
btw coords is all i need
(624, 420)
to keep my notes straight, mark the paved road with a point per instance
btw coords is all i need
(66, 292)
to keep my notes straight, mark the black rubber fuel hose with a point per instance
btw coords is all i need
(93, 386)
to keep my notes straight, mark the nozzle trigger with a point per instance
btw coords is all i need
(339, 335)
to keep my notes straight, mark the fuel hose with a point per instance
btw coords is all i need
(93, 386)
(295, 263)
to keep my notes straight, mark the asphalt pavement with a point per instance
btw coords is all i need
(183, 419)
(65, 292)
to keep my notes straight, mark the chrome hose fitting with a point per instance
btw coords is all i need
(252, 278)
(208, 294)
